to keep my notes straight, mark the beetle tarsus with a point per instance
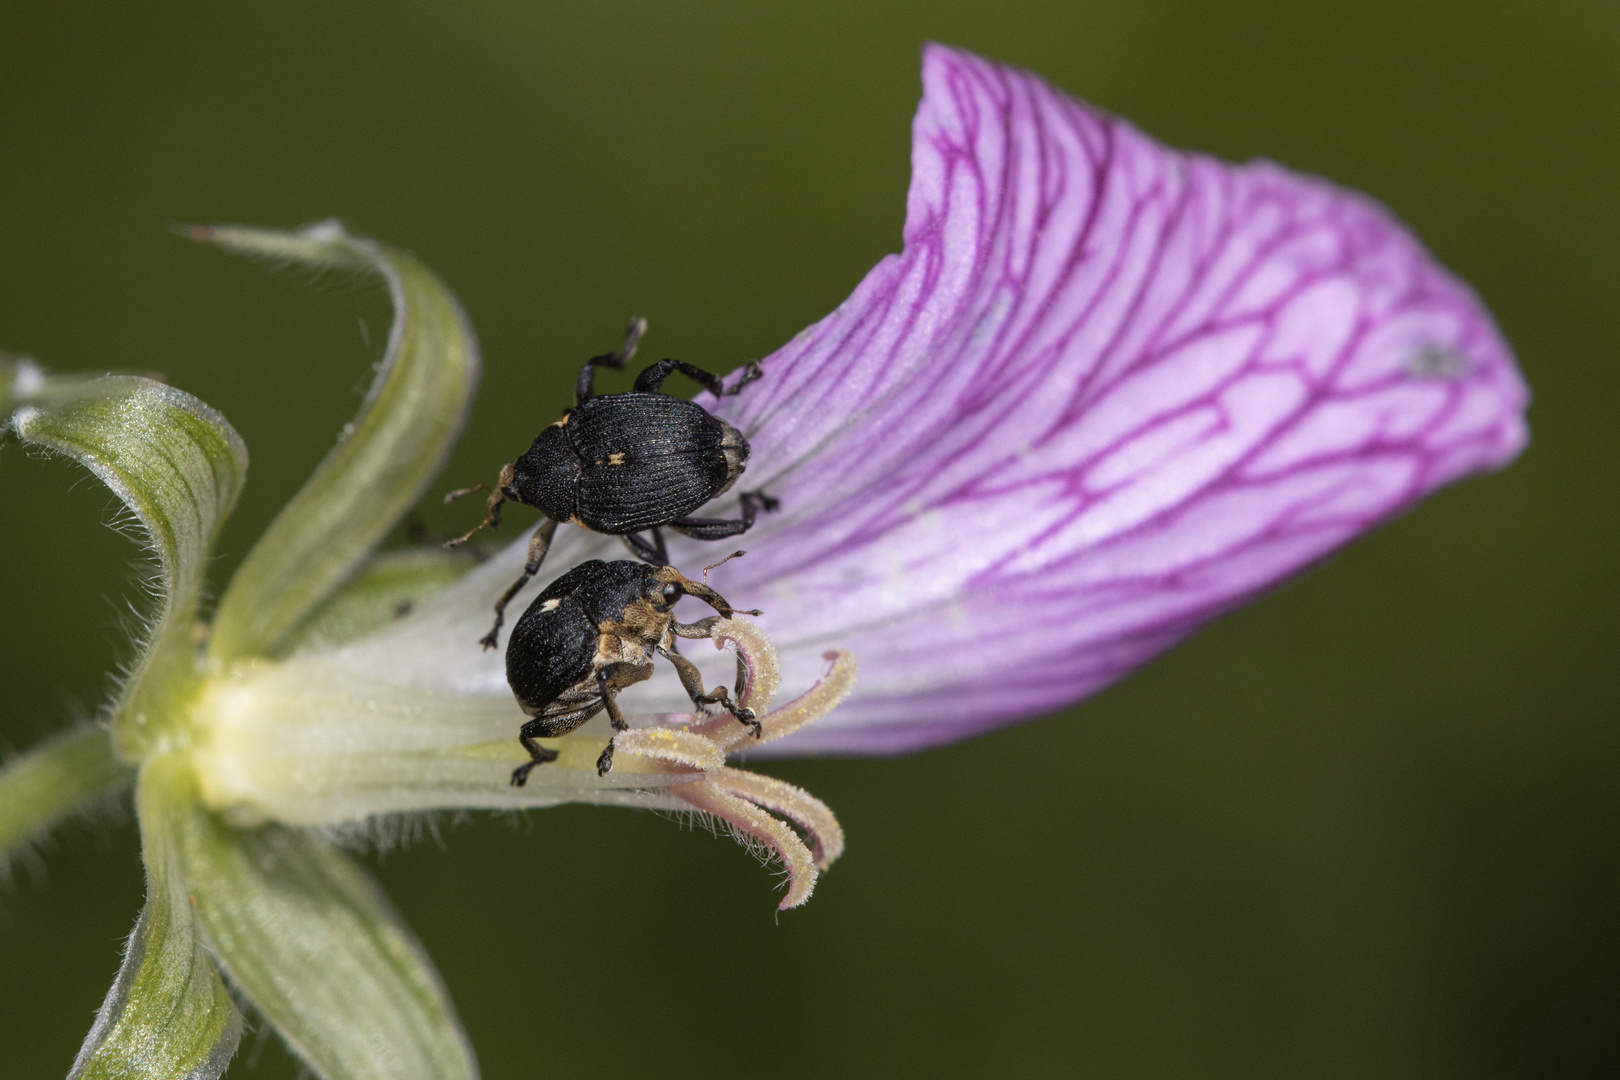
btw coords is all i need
(604, 677)
(751, 373)
(539, 755)
(692, 683)
(745, 716)
(652, 377)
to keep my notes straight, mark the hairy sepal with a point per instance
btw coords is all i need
(61, 776)
(307, 935)
(384, 459)
(178, 466)
(168, 1014)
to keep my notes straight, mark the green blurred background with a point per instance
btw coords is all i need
(1364, 827)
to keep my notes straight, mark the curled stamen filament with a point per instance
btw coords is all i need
(794, 803)
(709, 797)
(747, 801)
(822, 698)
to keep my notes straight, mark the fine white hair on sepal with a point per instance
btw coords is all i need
(384, 833)
(21, 417)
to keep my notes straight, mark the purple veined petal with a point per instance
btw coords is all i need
(1107, 391)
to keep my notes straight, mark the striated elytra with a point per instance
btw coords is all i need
(627, 465)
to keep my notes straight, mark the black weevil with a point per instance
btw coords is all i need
(626, 464)
(593, 632)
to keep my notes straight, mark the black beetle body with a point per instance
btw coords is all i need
(627, 464)
(593, 632)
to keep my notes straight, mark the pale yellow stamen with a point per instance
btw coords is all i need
(746, 818)
(821, 699)
(741, 799)
(672, 745)
(794, 803)
(762, 674)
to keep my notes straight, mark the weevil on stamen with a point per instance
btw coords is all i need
(593, 632)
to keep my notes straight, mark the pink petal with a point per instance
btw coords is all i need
(1108, 391)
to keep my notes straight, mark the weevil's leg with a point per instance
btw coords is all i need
(604, 764)
(652, 551)
(703, 628)
(692, 681)
(585, 385)
(539, 544)
(709, 528)
(539, 754)
(492, 510)
(720, 528)
(652, 378)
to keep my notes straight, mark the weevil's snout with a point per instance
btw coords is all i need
(704, 593)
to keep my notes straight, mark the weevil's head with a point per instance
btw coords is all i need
(673, 584)
(665, 586)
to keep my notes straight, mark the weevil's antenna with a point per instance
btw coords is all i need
(722, 562)
(488, 514)
(492, 512)
(452, 496)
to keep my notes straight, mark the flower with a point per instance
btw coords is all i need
(251, 749)
(1106, 392)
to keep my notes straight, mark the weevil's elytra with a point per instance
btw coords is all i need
(627, 465)
(593, 632)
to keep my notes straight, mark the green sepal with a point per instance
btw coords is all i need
(303, 930)
(385, 588)
(54, 780)
(385, 458)
(179, 466)
(168, 1015)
